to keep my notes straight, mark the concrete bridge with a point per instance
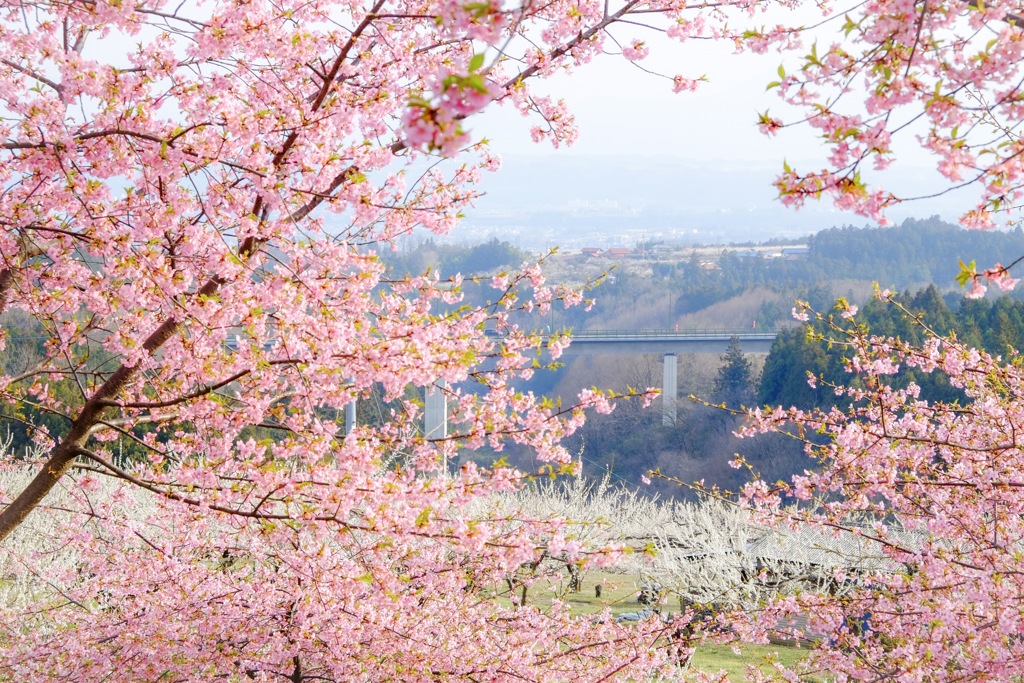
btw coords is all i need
(669, 343)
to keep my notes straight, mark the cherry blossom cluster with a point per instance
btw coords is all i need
(437, 123)
(195, 201)
(930, 494)
(328, 591)
(947, 72)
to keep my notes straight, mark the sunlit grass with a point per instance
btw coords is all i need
(712, 658)
(619, 595)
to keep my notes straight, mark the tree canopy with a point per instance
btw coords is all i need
(735, 381)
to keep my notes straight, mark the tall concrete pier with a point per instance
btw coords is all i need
(669, 389)
(350, 416)
(435, 411)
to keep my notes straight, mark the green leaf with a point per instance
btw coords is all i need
(813, 57)
(966, 273)
(849, 26)
(476, 62)
(476, 82)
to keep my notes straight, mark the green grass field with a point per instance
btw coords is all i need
(713, 658)
(619, 593)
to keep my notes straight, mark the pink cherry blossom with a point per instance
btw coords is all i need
(920, 497)
(635, 51)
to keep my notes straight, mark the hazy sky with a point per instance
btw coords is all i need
(621, 110)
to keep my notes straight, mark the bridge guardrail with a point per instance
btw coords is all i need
(597, 335)
(582, 335)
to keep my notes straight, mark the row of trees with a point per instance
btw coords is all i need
(995, 325)
(451, 259)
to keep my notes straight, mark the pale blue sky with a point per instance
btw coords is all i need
(622, 111)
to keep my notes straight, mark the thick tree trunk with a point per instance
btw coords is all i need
(66, 451)
(6, 278)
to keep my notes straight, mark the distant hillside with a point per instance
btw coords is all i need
(667, 286)
(733, 287)
(916, 252)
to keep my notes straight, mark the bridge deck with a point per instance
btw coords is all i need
(667, 341)
(637, 335)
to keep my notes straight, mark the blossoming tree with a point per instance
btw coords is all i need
(933, 486)
(194, 196)
(945, 73)
(933, 492)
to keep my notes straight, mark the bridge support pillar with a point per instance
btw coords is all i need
(435, 411)
(669, 389)
(350, 416)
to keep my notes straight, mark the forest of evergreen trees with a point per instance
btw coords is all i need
(994, 325)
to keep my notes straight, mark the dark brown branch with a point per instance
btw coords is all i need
(198, 393)
(63, 456)
(583, 37)
(36, 76)
(1016, 20)
(6, 280)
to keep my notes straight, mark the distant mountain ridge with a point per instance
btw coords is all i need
(553, 200)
